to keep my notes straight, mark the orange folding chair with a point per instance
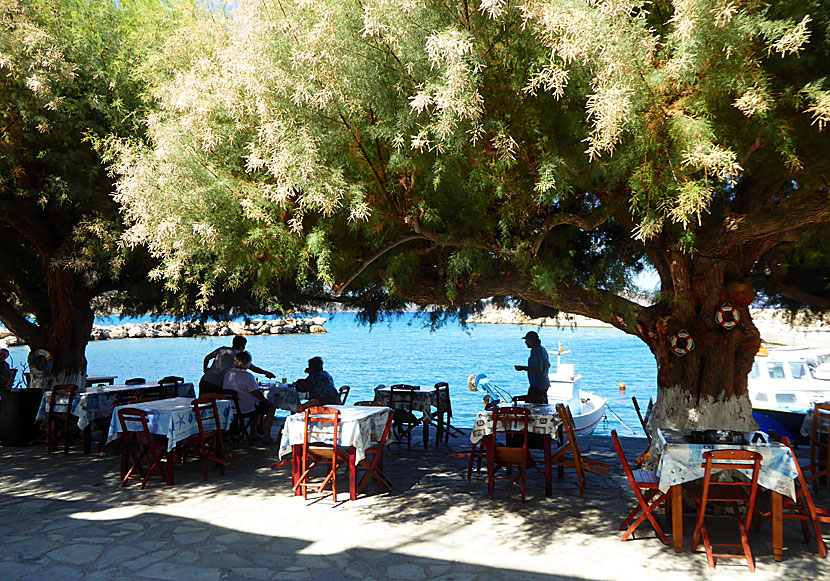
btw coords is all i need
(373, 462)
(731, 493)
(511, 421)
(139, 450)
(320, 424)
(819, 466)
(208, 443)
(59, 418)
(568, 455)
(645, 485)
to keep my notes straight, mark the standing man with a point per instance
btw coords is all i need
(223, 360)
(538, 365)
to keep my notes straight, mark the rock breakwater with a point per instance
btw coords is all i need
(196, 328)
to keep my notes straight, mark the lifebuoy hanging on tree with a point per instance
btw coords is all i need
(40, 363)
(727, 316)
(681, 343)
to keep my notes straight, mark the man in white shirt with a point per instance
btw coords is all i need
(251, 398)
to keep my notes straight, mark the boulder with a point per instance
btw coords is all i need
(317, 329)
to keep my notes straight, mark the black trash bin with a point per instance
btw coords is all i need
(18, 408)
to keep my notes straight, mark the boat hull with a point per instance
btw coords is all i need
(784, 423)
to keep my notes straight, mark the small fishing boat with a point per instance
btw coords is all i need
(783, 386)
(587, 408)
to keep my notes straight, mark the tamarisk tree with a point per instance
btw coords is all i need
(440, 153)
(67, 81)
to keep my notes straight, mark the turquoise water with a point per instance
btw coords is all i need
(403, 351)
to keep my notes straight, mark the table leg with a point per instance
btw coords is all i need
(170, 466)
(677, 517)
(88, 439)
(548, 468)
(296, 467)
(777, 525)
(353, 474)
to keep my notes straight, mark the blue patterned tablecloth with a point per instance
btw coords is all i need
(358, 427)
(283, 396)
(682, 461)
(543, 420)
(172, 418)
(98, 402)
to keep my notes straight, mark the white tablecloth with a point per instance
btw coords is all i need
(681, 461)
(98, 402)
(359, 427)
(543, 420)
(172, 418)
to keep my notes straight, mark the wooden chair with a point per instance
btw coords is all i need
(731, 493)
(819, 466)
(344, 393)
(170, 385)
(321, 423)
(802, 508)
(511, 421)
(647, 452)
(139, 448)
(207, 444)
(135, 381)
(568, 454)
(59, 422)
(368, 403)
(645, 485)
(312, 403)
(443, 414)
(373, 462)
(402, 402)
(242, 425)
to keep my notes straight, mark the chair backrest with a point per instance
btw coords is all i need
(643, 422)
(171, 380)
(821, 420)
(319, 422)
(135, 381)
(442, 396)
(60, 402)
(135, 421)
(511, 420)
(154, 393)
(402, 396)
(567, 420)
(733, 459)
(344, 393)
(368, 404)
(621, 454)
(207, 414)
(234, 397)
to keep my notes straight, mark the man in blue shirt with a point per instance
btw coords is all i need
(318, 384)
(538, 366)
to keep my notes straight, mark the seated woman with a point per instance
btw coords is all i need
(251, 398)
(318, 384)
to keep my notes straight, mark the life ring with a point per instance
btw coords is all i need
(40, 362)
(727, 316)
(681, 343)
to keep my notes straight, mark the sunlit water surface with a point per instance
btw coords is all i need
(403, 351)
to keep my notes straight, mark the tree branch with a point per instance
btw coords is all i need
(338, 288)
(16, 322)
(586, 223)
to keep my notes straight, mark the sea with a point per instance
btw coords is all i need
(403, 350)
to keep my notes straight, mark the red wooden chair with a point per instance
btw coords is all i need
(511, 421)
(568, 455)
(59, 422)
(321, 423)
(208, 443)
(647, 452)
(819, 466)
(312, 403)
(802, 508)
(645, 485)
(732, 493)
(373, 462)
(139, 447)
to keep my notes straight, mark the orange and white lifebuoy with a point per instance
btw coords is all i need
(727, 316)
(681, 343)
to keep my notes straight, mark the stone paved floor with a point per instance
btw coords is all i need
(65, 517)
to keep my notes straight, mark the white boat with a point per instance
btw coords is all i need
(784, 384)
(587, 408)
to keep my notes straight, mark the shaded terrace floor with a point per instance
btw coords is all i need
(65, 517)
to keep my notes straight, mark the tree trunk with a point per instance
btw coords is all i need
(704, 387)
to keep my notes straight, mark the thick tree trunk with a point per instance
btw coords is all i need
(705, 387)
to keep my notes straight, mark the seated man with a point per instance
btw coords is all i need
(318, 384)
(240, 380)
